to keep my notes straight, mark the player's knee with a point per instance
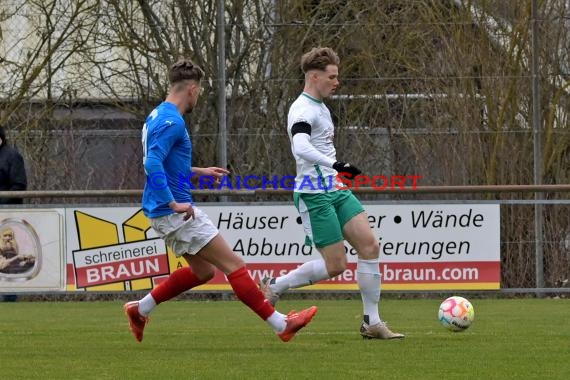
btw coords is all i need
(336, 267)
(370, 251)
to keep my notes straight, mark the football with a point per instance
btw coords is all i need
(456, 313)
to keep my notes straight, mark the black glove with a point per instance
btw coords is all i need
(349, 171)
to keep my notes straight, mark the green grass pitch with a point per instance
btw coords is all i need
(510, 339)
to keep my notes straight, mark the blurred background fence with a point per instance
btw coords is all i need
(441, 89)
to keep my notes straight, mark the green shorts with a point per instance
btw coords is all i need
(325, 214)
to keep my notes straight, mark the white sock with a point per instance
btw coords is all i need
(307, 274)
(146, 305)
(277, 321)
(368, 278)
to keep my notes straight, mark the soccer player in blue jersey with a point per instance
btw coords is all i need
(186, 229)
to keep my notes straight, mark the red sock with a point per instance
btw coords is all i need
(179, 281)
(248, 293)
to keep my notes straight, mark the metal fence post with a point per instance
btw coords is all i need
(222, 117)
(537, 149)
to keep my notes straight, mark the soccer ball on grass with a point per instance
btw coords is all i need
(456, 313)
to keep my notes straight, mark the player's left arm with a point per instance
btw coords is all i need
(213, 171)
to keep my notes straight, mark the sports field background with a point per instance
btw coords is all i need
(510, 339)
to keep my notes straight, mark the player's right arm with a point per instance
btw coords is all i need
(182, 208)
(302, 147)
(157, 143)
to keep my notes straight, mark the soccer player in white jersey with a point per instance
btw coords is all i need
(186, 229)
(329, 215)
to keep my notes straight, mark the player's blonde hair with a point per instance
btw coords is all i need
(318, 59)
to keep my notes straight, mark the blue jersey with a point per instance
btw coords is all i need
(167, 160)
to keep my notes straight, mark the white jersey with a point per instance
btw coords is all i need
(311, 177)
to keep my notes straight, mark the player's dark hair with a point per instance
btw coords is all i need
(318, 59)
(184, 70)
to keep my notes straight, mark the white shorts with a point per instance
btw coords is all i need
(188, 236)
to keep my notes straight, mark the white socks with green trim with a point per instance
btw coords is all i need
(309, 273)
(368, 278)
